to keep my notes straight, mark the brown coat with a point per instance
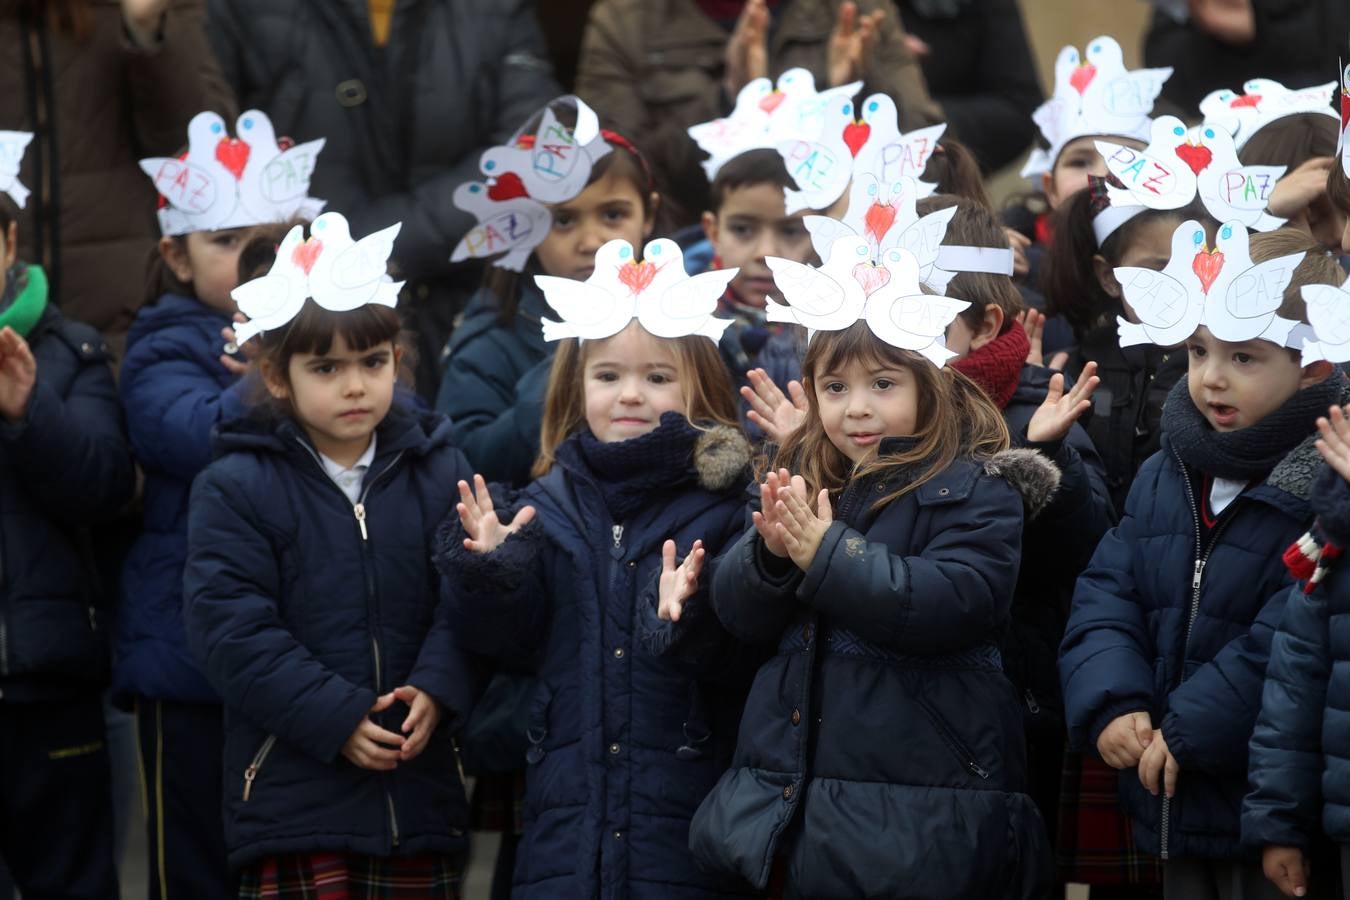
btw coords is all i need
(652, 68)
(97, 106)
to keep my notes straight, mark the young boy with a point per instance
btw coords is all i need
(748, 222)
(64, 464)
(1165, 651)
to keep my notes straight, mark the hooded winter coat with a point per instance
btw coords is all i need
(1162, 626)
(885, 711)
(623, 742)
(302, 608)
(175, 392)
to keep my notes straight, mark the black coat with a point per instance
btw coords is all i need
(64, 467)
(300, 615)
(880, 753)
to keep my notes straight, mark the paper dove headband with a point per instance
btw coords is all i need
(656, 291)
(1095, 96)
(1343, 144)
(12, 146)
(338, 273)
(1261, 102)
(1220, 287)
(1329, 313)
(1106, 218)
(225, 182)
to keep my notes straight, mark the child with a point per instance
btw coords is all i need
(67, 466)
(641, 458)
(880, 754)
(312, 606)
(177, 385)
(1163, 657)
(497, 362)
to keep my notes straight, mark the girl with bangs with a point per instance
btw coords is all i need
(880, 754)
(574, 580)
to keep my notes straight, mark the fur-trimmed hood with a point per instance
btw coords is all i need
(1030, 474)
(721, 457)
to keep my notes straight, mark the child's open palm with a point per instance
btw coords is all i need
(766, 517)
(18, 374)
(1334, 445)
(802, 530)
(776, 414)
(485, 529)
(1061, 409)
(678, 584)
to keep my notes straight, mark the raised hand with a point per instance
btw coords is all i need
(801, 529)
(424, 714)
(18, 374)
(766, 518)
(775, 414)
(1334, 444)
(1056, 415)
(747, 52)
(851, 43)
(1156, 762)
(1019, 243)
(1297, 190)
(678, 584)
(372, 747)
(142, 18)
(486, 531)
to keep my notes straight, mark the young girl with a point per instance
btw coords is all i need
(497, 362)
(313, 608)
(642, 459)
(1166, 646)
(177, 384)
(880, 754)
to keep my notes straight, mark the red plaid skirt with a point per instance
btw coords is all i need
(1096, 839)
(346, 876)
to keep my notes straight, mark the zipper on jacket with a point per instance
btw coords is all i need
(252, 771)
(359, 510)
(617, 531)
(957, 746)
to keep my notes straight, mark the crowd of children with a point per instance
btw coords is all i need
(770, 562)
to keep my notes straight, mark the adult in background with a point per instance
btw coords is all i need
(652, 68)
(101, 84)
(408, 95)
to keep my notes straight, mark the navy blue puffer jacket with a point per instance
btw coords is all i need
(1300, 750)
(175, 392)
(624, 743)
(62, 468)
(880, 754)
(301, 615)
(1157, 627)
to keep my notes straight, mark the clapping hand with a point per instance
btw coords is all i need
(680, 583)
(775, 414)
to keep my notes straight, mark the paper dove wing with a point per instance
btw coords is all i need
(12, 146)
(274, 299)
(1329, 313)
(1244, 298)
(1243, 193)
(1150, 178)
(816, 300)
(287, 176)
(587, 310)
(922, 238)
(687, 307)
(824, 232)
(365, 261)
(905, 156)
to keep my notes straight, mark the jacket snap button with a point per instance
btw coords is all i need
(796, 717)
(618, 653)
(787, 792)
(944, 492)
(351, 93)
(618, 835)
(881, 487)
(613, 748)
(632, 564)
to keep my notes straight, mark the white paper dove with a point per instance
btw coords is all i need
(225, 182)
(890, 155)
(554, 163)
(822, 166)
(655, 290)
(1329, 314)
(509, 224)
(12, 147)
(1094, 96)
(1261, 102)
(828, 298)
(900, 314)
(1241, 304)
(1170, 304)
(337, 272)
(1180, 164)
(1343, 143)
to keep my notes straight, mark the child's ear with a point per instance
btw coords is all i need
(1316, 373)
(991, 326)
(709, 223)
(275, 382)
(173, 250)
(1106, 276)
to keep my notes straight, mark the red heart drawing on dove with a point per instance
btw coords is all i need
(1206, 266)
(872, 278)
(507, 187)
(1252, 100)
(1196, 157)
(305, 254)
(636, 276)
(1082, 77)
(855, 135)
(232, 153)
(878, 220)
(772, 101)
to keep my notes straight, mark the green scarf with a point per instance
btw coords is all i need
(24, 298)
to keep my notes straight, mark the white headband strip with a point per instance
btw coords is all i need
(1109, 220)
(961, 258)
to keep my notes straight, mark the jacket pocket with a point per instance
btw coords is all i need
(255, 766)
(959, 749)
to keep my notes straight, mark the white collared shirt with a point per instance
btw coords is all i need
(349, 480)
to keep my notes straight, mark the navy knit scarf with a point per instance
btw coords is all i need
(1250, 452)
(630, 472)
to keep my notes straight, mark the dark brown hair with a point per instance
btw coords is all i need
(1338, 188)
(974, 225)
(1291, 141)
(954, 169)
(955, 417)
(746, 170)
(708, 394)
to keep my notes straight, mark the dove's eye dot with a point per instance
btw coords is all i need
(1209, 132)
(474, 189)
(248, 123)
(216, 128)
(1198, 237)
(873, 106)
(1227, 232)
(1178, 131)
(861, 251)
(872, 189)
(489, 165)
(625, 252)
(1095, 48)
(655, 251)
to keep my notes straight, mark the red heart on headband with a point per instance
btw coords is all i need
(870, 277)
(232, 153)
(1082, 77)
(772, 101)
(1197, 157)
(878, 220)
(508, 187)
(1252, 100)
(305, 254)
(855, 135)
(636, 276)
(1207, 265)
